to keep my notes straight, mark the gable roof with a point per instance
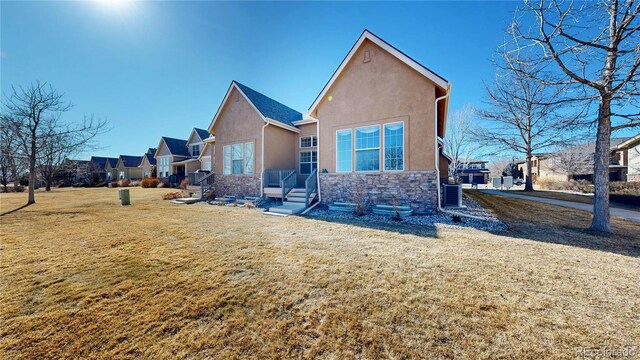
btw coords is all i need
(100, 162)
(202, 133)
(113, 162)
(150, 158)
(367, 35)
(265, 106)
(130, 161)
(175, 146)
(628, 142)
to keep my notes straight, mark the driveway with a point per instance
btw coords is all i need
(627, 214)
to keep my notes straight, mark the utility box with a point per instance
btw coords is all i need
(507, 181)
(496, 181)
(124, 197)
(452, 195)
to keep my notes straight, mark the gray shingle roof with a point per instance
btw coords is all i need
(131, 161)
(270, 108)
(150, 157)
(176, 146)
(112, 161)
(99, 162)
(204, 134)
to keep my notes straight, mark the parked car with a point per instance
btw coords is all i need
(518, 181)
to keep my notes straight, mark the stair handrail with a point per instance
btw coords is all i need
(287, 183)
(207, 182)
(310, 185)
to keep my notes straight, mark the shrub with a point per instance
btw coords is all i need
(114, 184)
(19, 188)
(456, 218)
(78, 185)
(62, 185)
(624, 188)
(150, 183)
(173, 195)
(124, 183)
(184, 183)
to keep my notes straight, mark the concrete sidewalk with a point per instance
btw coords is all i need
(627, 214)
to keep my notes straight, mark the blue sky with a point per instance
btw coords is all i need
(161, 68)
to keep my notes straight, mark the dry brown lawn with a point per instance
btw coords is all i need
(81, 276)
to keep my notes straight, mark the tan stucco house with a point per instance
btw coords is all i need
(128, 167)
(148, 163)
(374, 129)
(177, 158)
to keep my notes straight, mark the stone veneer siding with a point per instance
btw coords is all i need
(633, 177)
(413, 188)
(237, 185)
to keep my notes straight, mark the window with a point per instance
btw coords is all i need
(394, 146)
(163, 166)
(205, 163)
(368, 148)
(308, 162)
(238, 159)
(343, 150)
(308, 141)
(195, 150)
(227, 160)
(121, 175)
(248, 163)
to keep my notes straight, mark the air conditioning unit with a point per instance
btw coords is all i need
(452, 195)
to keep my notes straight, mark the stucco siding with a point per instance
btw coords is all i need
(238, 122)
(279, 150)
(379, 91)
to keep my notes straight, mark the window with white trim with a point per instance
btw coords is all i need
(121, 175)
(308, 162)
(239, 159)
(343, 150)
(248, 161)
(227, 160)
(205, 163)
(308, 141)
(367, 149)
(394, 146)
(163, 166)
(195, 150)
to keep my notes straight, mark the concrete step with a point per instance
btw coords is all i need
(297, 197)
(293, 203)
(298, 191)
(287, 209)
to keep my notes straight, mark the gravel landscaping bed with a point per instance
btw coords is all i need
(487, 221)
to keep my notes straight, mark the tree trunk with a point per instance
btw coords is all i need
(601, 221)
(528, 186)
(32, 169)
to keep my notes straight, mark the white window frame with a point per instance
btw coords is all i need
(350, 151)
(383, 144)
(380, 146)
(199, 145)
(163, 166)
(310, 162)
(226, 162)
(314, 140)
(229, 170)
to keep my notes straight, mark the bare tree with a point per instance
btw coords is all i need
(571, 161)
(11, 161)
(35, 115)
(497, 165)
(593, 46)
(524, 115)
(457, 143)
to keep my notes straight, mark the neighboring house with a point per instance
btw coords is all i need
(576, 163)
(128, 167)
(472, 171)
(177, 158)
(171, 151)
(98, 167)
(373, 134)
(148, 163)
(627, 155)
(111, 173)
(207, 155)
